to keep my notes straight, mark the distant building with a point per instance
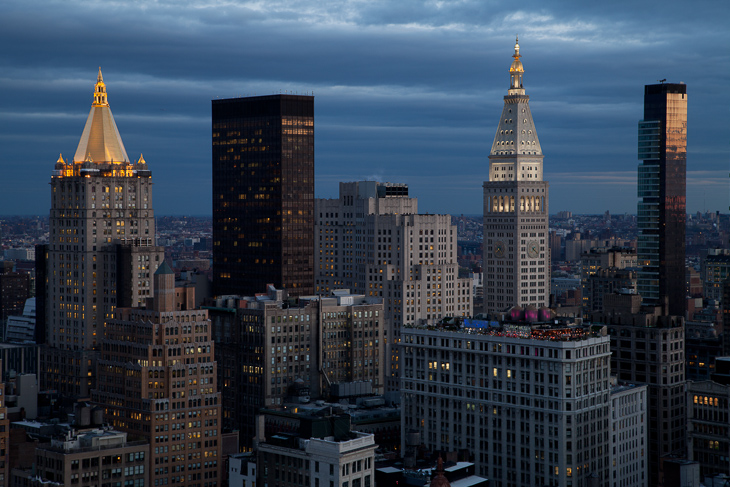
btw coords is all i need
(662, 208)
(606, 281)
(527, 402)
(726, 318)
(19, 254)
(714, 271)
(263, 194)
(576, 245)
(14, 290)
(22, 328)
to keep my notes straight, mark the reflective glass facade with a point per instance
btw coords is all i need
(662, 196)
(263, 194)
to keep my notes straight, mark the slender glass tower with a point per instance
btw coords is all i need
(662, 205)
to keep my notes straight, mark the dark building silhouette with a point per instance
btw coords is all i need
(662, 192)
(41, 279)
(263, 194)
(14, 290)
(647, 347)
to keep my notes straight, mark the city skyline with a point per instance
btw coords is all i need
(404, 93)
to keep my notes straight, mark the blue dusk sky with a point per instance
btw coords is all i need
(406, 91)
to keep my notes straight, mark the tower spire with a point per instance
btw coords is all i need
(100, 141)
(516, 71)
(100, 91)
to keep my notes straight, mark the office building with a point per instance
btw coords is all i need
(88, 457)
(662, 197)
(629, 459)
(14, 290)
(263, 194)
(647, 347)
(702, 344)
(157, 380)
(714, 270)
(271, 350)
(242, 470)
(314, 452)
(372, 240)
(725, 320)
(576, 245)
(4, 434)
(22, 328)
(516, 259)
(527, 402)
(606, 281)
(597, 258)
(101, 250)
(708, 426)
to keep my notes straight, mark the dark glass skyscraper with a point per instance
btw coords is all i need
(662, 197)
(263, 194)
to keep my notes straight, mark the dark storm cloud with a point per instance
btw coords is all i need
(407, 91)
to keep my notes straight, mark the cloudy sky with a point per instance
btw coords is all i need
(405, 90)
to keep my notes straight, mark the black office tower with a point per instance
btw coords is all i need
(263, 194)
(662, 197)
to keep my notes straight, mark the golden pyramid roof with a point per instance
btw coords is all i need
(100, 140)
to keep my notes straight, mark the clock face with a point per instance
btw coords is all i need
(499, 249)
(533, 248)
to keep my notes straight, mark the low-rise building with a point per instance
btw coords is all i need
(318, 452)
(91, 457)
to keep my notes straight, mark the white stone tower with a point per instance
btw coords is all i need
(516, 247)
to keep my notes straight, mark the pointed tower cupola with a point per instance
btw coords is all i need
(516, 134)
(100, 141)
(100, 92)
(516, 71)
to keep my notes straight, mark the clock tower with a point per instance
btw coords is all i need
(516, 247)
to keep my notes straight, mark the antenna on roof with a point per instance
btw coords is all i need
(662, 80)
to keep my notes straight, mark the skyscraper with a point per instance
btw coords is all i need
(373, 240)
(662, 197)
(516, 246)
(263, 194)
(157, 380)
(101, 250)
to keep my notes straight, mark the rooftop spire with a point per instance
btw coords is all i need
(516, 71)
(100, 91)
(100, 142)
